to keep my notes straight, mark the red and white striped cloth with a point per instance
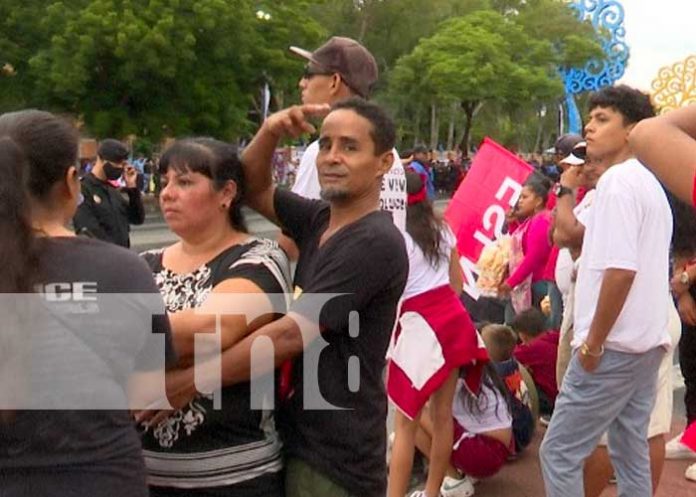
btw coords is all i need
(434, 335)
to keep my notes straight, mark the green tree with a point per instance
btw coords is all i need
(389, 28)
(25, 29)
(167, 67)
(173, 67)
(489, 56)
(573, 41)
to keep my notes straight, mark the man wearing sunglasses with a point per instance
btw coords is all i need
(339, 69)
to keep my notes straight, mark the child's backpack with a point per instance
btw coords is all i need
(522, 403)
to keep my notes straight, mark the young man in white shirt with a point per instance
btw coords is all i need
(339, 69)
(569, 232)
(621, 309)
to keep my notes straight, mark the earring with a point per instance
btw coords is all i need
(224, 207)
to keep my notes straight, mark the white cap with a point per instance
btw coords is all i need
(573, 159)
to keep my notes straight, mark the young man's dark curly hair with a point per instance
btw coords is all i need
(632, 104)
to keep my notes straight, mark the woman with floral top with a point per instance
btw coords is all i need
(203, 449)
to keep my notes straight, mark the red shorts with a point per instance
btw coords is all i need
(477, 456)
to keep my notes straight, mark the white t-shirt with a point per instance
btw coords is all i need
(494, 413)
(564, 263)
(629, 227)
(423, 276)
(392, 198)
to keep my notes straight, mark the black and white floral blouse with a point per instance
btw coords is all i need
(203, 447)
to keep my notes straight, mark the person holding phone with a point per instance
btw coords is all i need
(107, 211)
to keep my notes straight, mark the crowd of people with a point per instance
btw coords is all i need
(275, 378)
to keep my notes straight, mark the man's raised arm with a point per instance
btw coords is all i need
(667, 145)
(257, 156)
(568, 231)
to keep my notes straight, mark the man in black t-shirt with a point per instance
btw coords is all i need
(333, 417)
(335, 436)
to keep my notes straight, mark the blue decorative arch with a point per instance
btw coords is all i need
(607, 17)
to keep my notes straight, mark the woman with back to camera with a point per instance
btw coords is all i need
(434, 345)
(198, 449)
(74, 362)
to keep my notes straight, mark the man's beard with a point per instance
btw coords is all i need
(334, 194)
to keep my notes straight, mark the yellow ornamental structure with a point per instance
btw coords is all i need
(675, 86)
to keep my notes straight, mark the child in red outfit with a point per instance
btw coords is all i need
(538, 352)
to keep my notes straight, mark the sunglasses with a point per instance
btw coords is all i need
(580, 152)
(309, 72)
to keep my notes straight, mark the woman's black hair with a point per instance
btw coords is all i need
(424, 226)
(539, 185)
(17, 250)
(215, 159)
(36, 150)
(490, 378)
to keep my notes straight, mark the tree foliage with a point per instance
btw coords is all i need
(509, 54)
(390, 28)
(158, 68)
(162, 67)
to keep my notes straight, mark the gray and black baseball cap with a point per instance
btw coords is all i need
(345, 56)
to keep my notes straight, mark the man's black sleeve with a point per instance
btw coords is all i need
(136, 209)
(85, 221)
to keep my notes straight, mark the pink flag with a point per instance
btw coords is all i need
(476, 213)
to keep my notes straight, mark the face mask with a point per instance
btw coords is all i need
(112, 172)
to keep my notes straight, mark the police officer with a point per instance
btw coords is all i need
(105, 213)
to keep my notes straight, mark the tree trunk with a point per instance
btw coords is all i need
(364, 21)
(279, 99)
(416, 127)
(537, 142)
(434, 126)
(450, 131)
(470, 110)
(363, 29)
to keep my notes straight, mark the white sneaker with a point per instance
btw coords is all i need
(677, 450)
(691, 473)
(453, 487)
(418, 493)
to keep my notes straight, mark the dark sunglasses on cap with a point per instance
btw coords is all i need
(580, 152)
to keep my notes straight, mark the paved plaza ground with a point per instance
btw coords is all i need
(522, 478)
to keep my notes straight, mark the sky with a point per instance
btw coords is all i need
(659, 33)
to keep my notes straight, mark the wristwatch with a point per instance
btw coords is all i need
(562, 190)
(684, 278)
